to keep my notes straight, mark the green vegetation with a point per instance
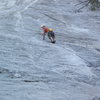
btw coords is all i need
(94, 4)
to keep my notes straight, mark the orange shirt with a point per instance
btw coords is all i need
(46, 30)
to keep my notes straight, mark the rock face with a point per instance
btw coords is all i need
(33, 69)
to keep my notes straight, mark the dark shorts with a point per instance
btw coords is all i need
(51, 34)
